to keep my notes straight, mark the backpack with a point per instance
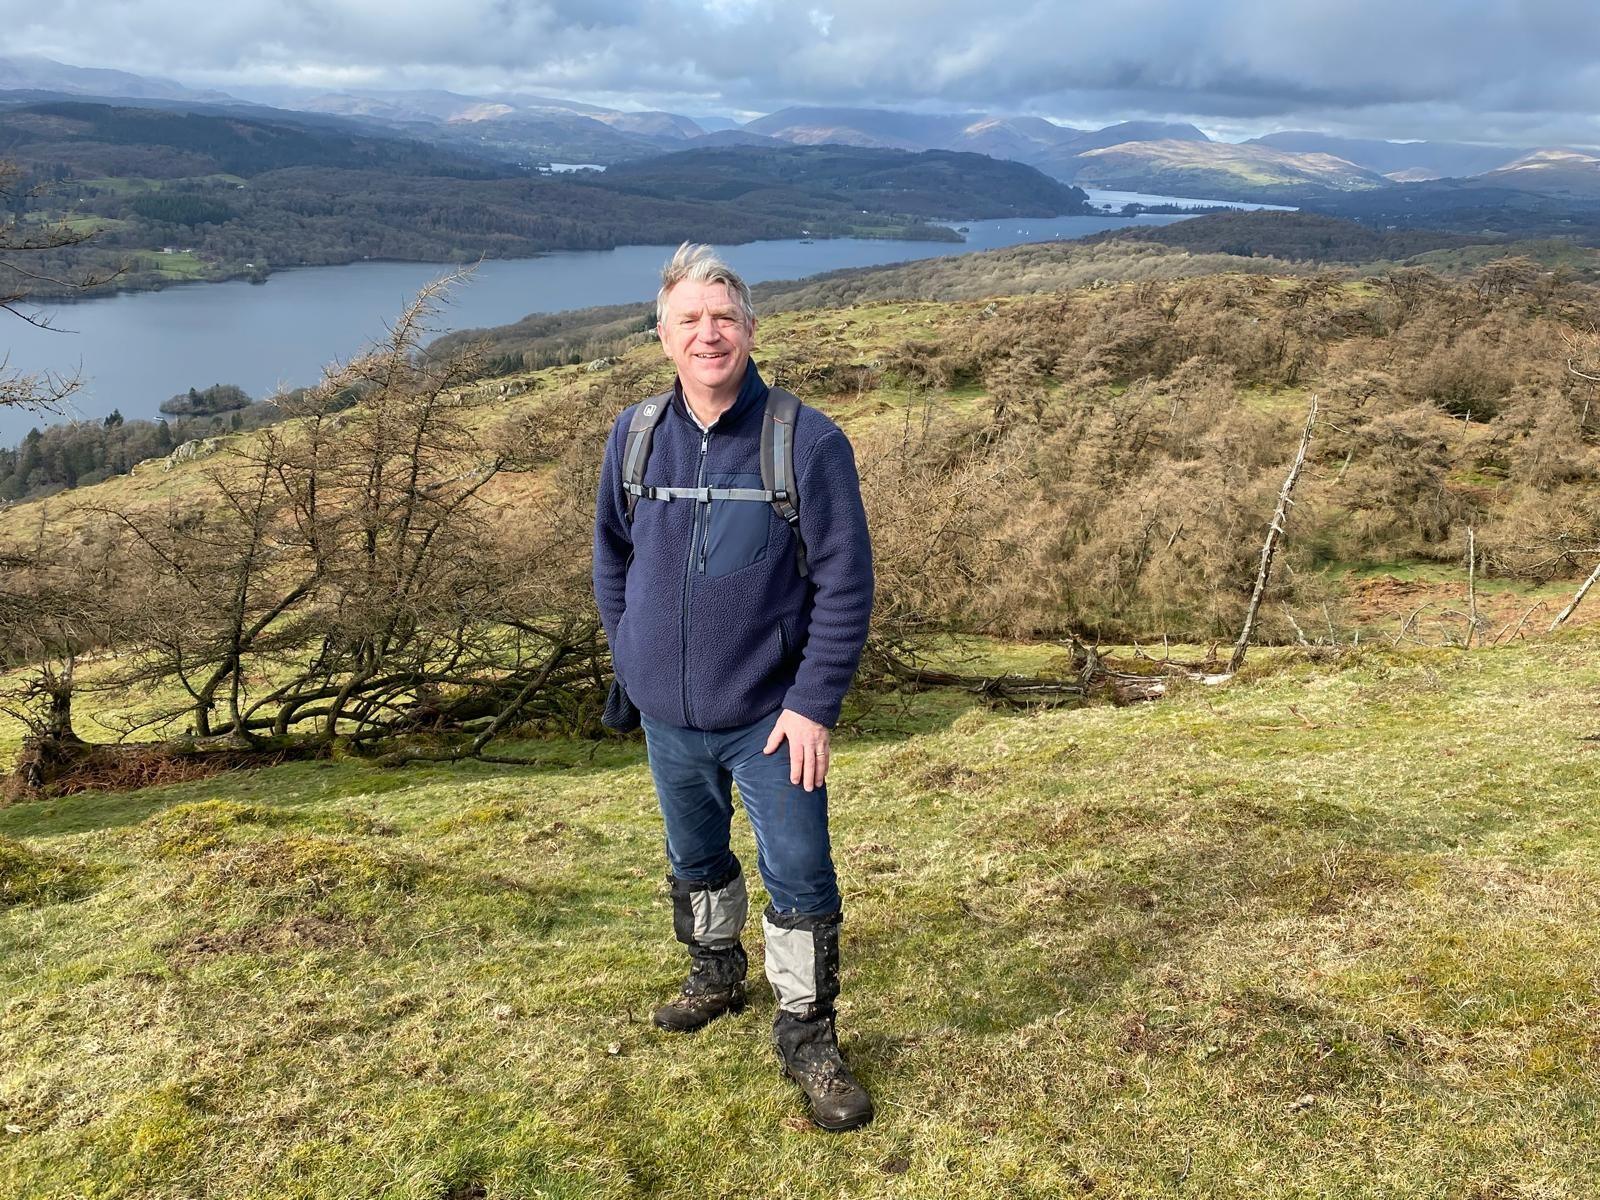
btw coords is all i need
(777, 465)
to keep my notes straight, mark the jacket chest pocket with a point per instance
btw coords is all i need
(736, 531)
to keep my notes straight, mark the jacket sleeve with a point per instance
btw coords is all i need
(613, 538)
(833, 522)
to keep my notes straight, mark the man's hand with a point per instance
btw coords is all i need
(808, 748)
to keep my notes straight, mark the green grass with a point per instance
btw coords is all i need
(1330, 930)
(183, 264)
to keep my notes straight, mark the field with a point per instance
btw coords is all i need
(1328, 930)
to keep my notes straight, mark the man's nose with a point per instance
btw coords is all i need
(708, 330)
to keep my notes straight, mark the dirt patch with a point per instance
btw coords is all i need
(301, 931)
(1437, 608)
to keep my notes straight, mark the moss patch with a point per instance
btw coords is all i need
(30, 876)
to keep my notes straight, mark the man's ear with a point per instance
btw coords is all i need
(661, 336)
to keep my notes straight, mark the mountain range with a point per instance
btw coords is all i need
(1292, 167)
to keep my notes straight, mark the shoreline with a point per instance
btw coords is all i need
(111, 290)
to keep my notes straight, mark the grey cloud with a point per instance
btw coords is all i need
(1433, 68)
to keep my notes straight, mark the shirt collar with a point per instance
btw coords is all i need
(752, 391)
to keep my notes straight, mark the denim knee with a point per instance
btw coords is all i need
(794, 855)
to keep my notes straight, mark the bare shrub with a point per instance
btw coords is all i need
(350, 576)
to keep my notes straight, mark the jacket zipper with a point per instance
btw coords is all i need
(689, 571)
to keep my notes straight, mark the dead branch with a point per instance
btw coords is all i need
(1274, 534)
(1577, 599)
(1517, 632)
(1473, 624)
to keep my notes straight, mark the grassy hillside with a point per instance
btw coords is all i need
(1222, 170)
(587, 334)
(1187, 372)
(1290, 236)
(1329, 930)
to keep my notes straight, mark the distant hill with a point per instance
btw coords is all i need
(1052, 148)
(395, 106)
(1149, 156)
(27, 72)
(1503, 206)
(874, 127)
(529, 137)
(1134, 131)
(1552, 172)
(1066, 159)
(1414, 161)
(1026, 139)
(512, 127)
(734, 137)
(1221, 170)
(652, 124)
(93, 140)
(932, 183)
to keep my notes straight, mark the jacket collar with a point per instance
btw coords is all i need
(752, 394)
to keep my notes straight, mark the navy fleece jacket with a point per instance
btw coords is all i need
(709, 623)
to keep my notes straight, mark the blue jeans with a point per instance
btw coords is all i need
(694, 771)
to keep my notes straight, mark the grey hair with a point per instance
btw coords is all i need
(700, 264)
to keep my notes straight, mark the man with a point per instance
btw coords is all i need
(738, 664)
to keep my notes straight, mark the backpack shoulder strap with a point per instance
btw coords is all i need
(777, 465)
(636, 449)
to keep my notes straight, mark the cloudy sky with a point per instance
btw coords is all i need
(1475, 70)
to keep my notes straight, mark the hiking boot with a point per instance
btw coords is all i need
(707, 917)
(808, 1047)
(715, 986)
(803, 968)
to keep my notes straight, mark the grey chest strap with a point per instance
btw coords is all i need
(777, 465)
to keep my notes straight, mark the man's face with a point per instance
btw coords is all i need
(706, 337)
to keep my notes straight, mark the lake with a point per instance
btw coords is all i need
(140, 348)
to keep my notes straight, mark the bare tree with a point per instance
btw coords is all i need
(1583, 362)
(22, 243)
(52, 614)
(347, 577)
